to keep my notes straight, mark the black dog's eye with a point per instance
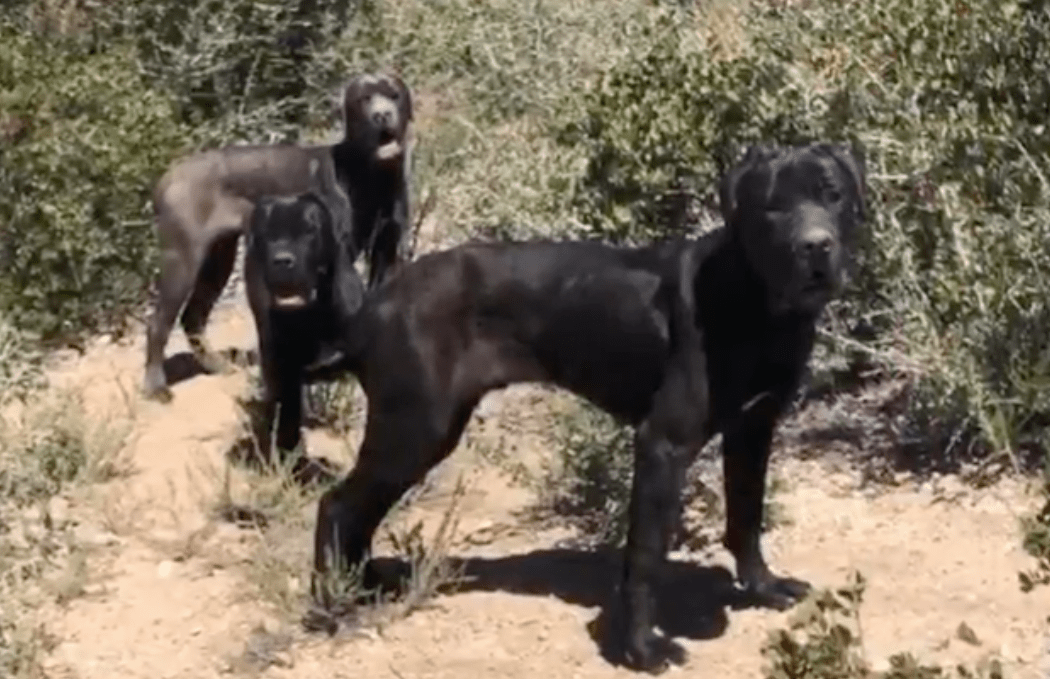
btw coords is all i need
(832, 194)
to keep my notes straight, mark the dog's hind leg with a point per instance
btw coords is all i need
(212, 278)
(398, 451)
(174, 285)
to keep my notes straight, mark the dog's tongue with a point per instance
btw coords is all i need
(389, 150)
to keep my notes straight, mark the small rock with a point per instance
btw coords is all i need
(32, 514)
(283, 659)
(271, 626)
(166, 536)
(93, 537)
(165, 569)
(880, 665)
(294, 586)
(965, 633)
(58, 509)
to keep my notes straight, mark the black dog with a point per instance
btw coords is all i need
(681, 339)
(299, 278)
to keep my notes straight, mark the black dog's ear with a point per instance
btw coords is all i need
(260, 213)
(727, 188)
(851, 159)
(317, 213)
(348, 290)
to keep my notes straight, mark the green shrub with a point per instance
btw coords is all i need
(244, 67)
(85, 143)
(949, 102)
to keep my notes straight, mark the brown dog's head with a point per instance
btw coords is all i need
(377, 108)
(795, 212)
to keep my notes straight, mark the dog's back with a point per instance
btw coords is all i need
(588, 316)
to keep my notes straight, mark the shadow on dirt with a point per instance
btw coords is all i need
(692, 601)
(184, 366)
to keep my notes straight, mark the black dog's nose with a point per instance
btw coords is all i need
(284, 260)
(382, 118)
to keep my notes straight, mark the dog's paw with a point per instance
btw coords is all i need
(317, 619)
(778, 593)
(214, 364)
(161, 394)
(653, 654)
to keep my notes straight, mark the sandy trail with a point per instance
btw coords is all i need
(170, 599)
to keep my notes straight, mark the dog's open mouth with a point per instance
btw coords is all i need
(389, 146)
(289, 301)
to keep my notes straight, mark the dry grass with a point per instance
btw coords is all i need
(49, 445)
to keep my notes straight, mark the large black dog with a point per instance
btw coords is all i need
(681, 339)
(299, 278)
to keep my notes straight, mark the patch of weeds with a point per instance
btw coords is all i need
(337, 405)
(52, 442)
(278, 567)
(48, 443)
(824, 640)
(23, 643)
(430, 571)
(588, 484)
(267, 646)
(1036, 531)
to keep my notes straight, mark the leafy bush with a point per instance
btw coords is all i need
(85, 141)
(249, 67)
(949, 102)
(97, 100)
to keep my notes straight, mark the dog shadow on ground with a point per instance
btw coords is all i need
(692, 601)
(183, 365)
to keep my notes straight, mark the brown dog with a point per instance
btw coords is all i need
(202, 203)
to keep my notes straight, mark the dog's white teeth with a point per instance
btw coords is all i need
(389, 150)
(290, 301)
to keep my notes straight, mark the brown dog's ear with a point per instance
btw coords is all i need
(851, 159)
(405, 91)
(728, 187)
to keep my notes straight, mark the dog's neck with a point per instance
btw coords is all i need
(729, 283)
(359, 167)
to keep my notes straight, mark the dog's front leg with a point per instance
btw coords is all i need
(665, 444)
(746, 451)
(655, 502)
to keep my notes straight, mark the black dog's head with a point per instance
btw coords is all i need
(378, 108)
(292, 239)
(795, 212)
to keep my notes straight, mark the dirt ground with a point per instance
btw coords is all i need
(169, 598)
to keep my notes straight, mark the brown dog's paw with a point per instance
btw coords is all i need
(162, 394)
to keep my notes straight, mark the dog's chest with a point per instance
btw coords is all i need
(741, 368)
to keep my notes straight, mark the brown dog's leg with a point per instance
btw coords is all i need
(213, 276)
(173, 287)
